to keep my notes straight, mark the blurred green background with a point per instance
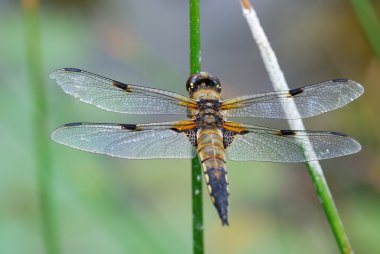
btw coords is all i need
(108, 205)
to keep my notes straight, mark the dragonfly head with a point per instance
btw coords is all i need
(203, 80)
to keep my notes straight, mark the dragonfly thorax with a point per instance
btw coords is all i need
(209, 115)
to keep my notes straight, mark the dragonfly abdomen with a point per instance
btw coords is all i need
(211, 154)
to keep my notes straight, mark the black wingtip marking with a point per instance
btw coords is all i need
(296, 91)
(287, 133)
(243, 132)
(121, 85)
(72, 69)
(131, 127)
(72, 124)
(340, 80)
(339, 134)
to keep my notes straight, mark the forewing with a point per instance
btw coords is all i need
(264, 144)
(143, 141)
(119, 97)
(308, 101)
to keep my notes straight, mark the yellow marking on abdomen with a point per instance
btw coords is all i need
(210, 144)
(212, 156)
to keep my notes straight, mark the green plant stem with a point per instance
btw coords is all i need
(195, 37)
(369, 22)
(196, 171)
(329, 208)
(39, 125)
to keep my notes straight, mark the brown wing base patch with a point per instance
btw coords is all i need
(192, 136)
(228, 137)
(187, 127)
(230, 129)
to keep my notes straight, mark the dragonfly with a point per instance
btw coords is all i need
(205, 131)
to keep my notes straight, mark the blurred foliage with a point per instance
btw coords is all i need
(82, 6)
(118, 206)
(41, 142)
(74, 4)
(370, 23)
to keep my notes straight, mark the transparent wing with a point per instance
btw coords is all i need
(119, 97)
(142, 141)
(309, 101)
(264, 144)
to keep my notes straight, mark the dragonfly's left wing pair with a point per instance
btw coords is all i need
(176, 139)
(142, 141)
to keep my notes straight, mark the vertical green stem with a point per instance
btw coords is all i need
(39, 125)
(195, 37)
(330, 209)
(196, 171)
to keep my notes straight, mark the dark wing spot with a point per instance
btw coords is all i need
(72, 69)
(243, 132)
(340, 80)
(287, 133)
(121, 85)
(72, 124)
(339, 134)
(131, 127)
(296, 91)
